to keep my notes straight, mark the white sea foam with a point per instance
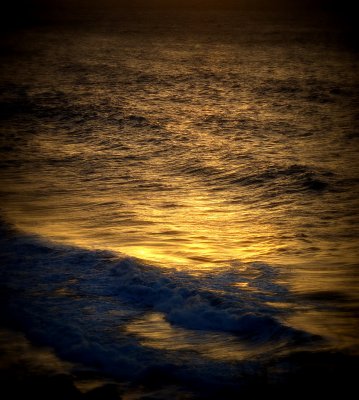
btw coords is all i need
(80, 302)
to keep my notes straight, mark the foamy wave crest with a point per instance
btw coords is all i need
(80, 302)
(195, 304)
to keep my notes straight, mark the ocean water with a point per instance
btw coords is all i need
(179, 200)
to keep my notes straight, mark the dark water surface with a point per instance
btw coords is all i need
(179, 201)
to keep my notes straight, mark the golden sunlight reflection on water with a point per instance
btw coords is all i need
(203, 234)
(222, 150)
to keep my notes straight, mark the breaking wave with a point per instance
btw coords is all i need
(82, 303)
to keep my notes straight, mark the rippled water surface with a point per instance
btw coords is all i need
(217, 165)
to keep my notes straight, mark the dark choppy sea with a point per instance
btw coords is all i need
(179, 206)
